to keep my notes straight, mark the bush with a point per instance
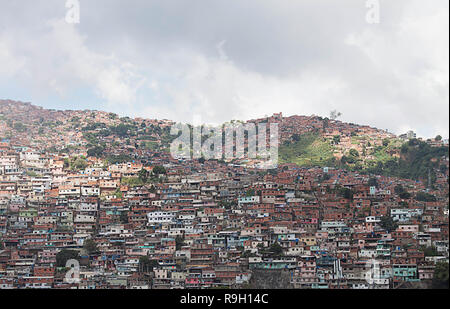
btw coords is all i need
(388, 224)
(440, 280)
(90, 246)
(65, 255)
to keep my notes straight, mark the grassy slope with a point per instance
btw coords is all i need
(310, 150)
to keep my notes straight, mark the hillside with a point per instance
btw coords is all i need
(307, 141)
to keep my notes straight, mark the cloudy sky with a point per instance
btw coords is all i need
(219, 60)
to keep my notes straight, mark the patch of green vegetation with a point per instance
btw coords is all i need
(308, 150)
(150, 145)
(418, 161)
(75, 163)
(31, 174)
(381, 154)
(122, 158)
(357, 140)
(132, 182)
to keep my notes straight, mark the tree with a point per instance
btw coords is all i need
(325, 177)
(346, 193)
(336, 139)
(388, 224)
(90, 246)
(440, 279)
(118, 193)
(146, 265)
(430, 251)
(121, 130)
(20, 127)
(399, 189)
(65, 255)
(354, 153)
(276, 250)
(179, 242)
(296, 137)
(405, 195)
(247, 254)
(159, 170)
(124, 217)
(143, 175)
(335, 115)
(386, 142)
(250, 192)
(425, 197)
(79, 164)
(373, 182)
(96, 151)
(438, 138)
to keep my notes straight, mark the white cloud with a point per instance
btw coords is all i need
(413, 59)
(10, 63)
(169, 60)
(59, 61)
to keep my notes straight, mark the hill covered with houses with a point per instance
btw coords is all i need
(104, 190)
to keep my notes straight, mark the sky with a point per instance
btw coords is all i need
(221, 60)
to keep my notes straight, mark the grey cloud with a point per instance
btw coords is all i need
(298, 57)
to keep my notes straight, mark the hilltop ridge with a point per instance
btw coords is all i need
(308, 141)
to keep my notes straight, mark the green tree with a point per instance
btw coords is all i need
(250, 192)
(90, 246)
(79, 164)
(118, 193)
(143, 175)
(334, 114)
(388, 224)
(124, 217)
(96, 151)
(146, 265)
(399, 189)
(425, 197)
(64, 255)
(121, 130)
(401, 192)
(373, 182)
(354, 153)
(346, 193)
(440, 280)
(276, 250)
(430, 251)
(336, 139)
(20, 127)
(159, 170)
(179, 241)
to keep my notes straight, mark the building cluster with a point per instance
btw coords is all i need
(212, 225)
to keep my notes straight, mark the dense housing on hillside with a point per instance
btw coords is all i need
(156, 222)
